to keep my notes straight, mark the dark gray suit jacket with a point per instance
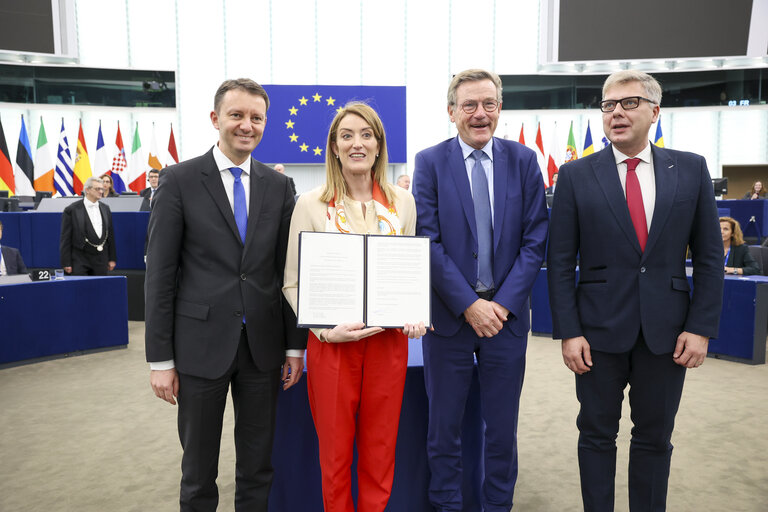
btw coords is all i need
(201, 279)
(13, 262)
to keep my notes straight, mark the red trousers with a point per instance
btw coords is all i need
(356, 389)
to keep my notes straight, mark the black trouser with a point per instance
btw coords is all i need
(201, 410)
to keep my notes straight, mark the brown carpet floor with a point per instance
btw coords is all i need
(86, 434)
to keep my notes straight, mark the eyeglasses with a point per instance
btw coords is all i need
(628, 103)
(469, 107)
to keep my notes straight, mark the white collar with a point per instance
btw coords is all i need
(89, 203)
(224, 163)
(644, 155)
(467, 150)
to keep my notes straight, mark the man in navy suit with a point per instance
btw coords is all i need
(10, 259)
(629, 213)
(480, 199)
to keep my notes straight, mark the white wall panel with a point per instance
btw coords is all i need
(340, 52)
(472, 31)
(383, 43)
(152, 34)
(743, 136)
(102, 33)
(249, 38)
(294, 57)
(517, 36)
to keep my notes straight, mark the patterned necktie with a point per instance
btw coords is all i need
(635, 202)
(482, 201)
(241, 212)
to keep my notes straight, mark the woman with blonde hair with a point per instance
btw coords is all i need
(355, 375)
(735, 252)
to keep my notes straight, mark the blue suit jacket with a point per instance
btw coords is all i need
(622, 289)
(446, 214)
(13, 262)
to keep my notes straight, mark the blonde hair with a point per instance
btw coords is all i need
(472, 75)
(650, 85)
(737, 237)
(335, 185)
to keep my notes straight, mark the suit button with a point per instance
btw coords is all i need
(242, 277)
(238, 313)
(642, 270)
(474, 255)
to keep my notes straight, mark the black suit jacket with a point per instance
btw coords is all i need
(201, 279)
(13, 262)
(740, 258)
(621, 288)
(75, 224)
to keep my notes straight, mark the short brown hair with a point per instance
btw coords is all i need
(243, 84)
(335, 185)
(737, 237)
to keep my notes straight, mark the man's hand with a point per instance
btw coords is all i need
(691, 350)
(68, 270)
(111, 265)
(486, 317)
(165, 384)
(292, 370)
(577, 355)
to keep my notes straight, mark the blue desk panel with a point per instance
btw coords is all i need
(49, 318)
(744, 210)
(37, 234)
(743, 319)
(297, 484)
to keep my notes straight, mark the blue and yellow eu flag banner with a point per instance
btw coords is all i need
(299, 117)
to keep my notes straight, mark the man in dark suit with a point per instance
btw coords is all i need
(87, 244)
(551, 190)
(480, 199)
(153, 177)
(629, 212)
(10, 259)
(215, 314)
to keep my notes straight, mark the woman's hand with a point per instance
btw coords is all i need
(351, 331)
(414, 330)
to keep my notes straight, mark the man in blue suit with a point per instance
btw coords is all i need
(629, 213)
(10, 259)
(480, 199)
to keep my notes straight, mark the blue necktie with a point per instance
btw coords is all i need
(482, 200)
(241, 212)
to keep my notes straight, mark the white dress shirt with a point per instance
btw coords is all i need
(469, 163)
(94, 213)
(3, 270)
(645, 176)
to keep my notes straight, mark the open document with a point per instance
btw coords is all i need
(382, 281)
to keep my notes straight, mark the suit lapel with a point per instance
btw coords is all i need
(607, 176)
(214, 185)
(665, 175)
(256, 202)
(500, 179)
(458, 170)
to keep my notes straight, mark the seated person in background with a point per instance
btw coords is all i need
(757, 192)
(404, 181)
(735, 251)
(153, 178)
(10, 259)
(551, 190)
(109, 189)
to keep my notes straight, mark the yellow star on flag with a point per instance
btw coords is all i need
(289, 125)
(293, 137)
(304, 148)
(303, 100)
(317, 150)
(317, 97)
(293, 111)
(339, 110)
(331, 101)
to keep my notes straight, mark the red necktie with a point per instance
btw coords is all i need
(635, 202)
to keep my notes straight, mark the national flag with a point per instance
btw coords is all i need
(300, 115)
(541, 157)
(24, 173)
(172, 147)
(119, 164)
(588, 147)
(570, 147)
(6, 167)
(101, 163)
(64, 176)
(154, 160)
(658, 141)
(551, 165)
(137, 167)
(521, 139)
(45, 167)
(605, 142)
(82, 169)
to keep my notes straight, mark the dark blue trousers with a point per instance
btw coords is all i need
(448, 366)
(656, 384)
